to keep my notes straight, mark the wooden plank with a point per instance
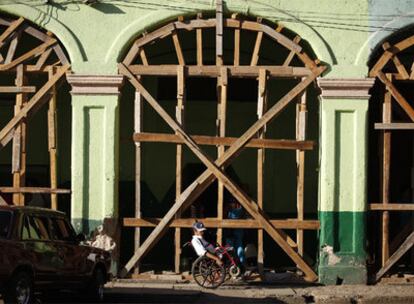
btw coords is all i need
(256, 50)
(391, 207)
(214, 169)
(226, 223)
(261, 109)
(138, 127)
(227, 141)
(143, 56)
(132, 54)
(179, 113)
(18, 151)
(394, 126)
(401, 236)
(199, 38)
(236, 47)
(32, 53)
(385, 182)
(33, 190)
(400, 67)
(12, 48)
(206, 178)
(301, 118)
(214, 71)
(32, 105)
(17, 89)
(219, 32)
(178, 49)
(291, 55)
(60, 54)
(10, 30)
(397, 96)
(42, 59)
(407, 245)
(52, 143)
(221, 132)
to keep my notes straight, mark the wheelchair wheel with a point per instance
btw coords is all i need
(207, 273)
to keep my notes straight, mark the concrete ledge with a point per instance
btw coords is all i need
(95, 84)
(346, 88)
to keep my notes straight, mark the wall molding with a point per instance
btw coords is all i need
(95, 84)
(346, 88)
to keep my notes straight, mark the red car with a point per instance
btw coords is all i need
(39, 250)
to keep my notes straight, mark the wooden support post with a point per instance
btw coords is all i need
(386, 158)
(52, 142)
(221, 132)
(19, 141)
(255, 55)
(301, 120)
(208, 176)
(219, 32)
(179, 113)
(138, 127)
(199, 34)
(237, 47)
(261, 109)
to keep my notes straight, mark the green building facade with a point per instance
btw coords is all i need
(96, 156)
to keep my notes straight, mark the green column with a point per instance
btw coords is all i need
(343, 181)
(95, 142)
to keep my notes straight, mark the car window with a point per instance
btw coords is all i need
(5, 221)
(35, 228)
(61, 229)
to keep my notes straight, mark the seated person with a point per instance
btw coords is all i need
(201, 246)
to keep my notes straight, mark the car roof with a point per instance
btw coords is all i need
(29, 209)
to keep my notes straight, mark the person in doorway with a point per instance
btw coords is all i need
(201, 246)
(235, 239)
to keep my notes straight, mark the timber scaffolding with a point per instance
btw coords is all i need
(46, 57)
(391, 71)
(136, 65)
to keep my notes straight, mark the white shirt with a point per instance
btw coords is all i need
(200, 245)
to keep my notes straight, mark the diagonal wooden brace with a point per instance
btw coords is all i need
(6, 134)
(205, 179)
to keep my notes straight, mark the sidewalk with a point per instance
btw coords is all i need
(276, 293)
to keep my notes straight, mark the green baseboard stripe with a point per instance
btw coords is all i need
(342, 252)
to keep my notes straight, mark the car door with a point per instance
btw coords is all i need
(47, 260)
(74, 260)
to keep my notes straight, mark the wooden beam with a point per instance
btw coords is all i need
(256, 50)
(236, 47)
(291, 55)
(17, 89)
(221, 132)
(52, 143)
(33, 190)
(214, 71)
(138, 127)
(12, 48)
(400, 67)
(226, 223)
(178, 49)
(394, 126)
(301, 123)
(407, 245)
(199, 34)
(42, 59)
(32, 53)
(219, 32)
(32, 105)
(179, 113)
(10, 30)
(261, 109)
(282, 144)
(385, 182)
(397, 96)
(19, 141)
(205, 179)
(391, 207)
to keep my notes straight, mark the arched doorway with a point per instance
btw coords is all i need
(219, 91)
(391, 155)
(32, 67)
